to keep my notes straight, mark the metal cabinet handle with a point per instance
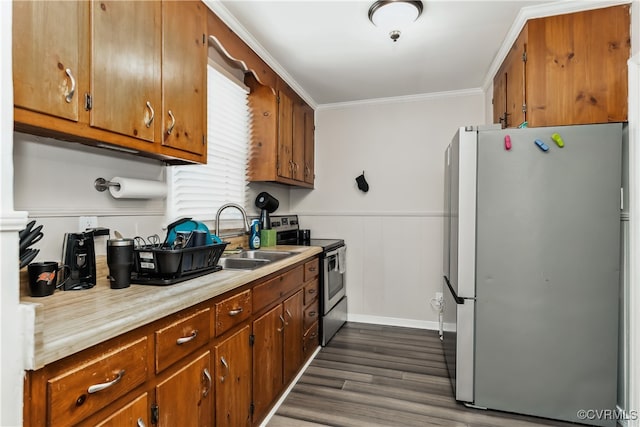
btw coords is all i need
(226, 366)
(312, 291)
(69, 96)
(283, 324)
(173, 123)
(98, 387)
(289, 314)
(153, 114)
(141, 423)
(295, 167)
(312, 314)
(312, 269)
(207, 377)
(191, 337)
(236, 311)
(307, 170)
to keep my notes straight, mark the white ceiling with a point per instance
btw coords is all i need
(329, 51)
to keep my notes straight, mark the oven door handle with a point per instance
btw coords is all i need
(457, 299)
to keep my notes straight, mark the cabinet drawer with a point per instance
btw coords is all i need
(311, 269)
(310, 315)
(181, 337)
(274, 289)
(310, 292)
(132, 414)
(232, 311)
(88, 387)
(310, 340)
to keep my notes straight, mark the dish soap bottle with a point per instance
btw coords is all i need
(254, 237)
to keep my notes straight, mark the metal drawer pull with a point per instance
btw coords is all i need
(236, 311)
(207, 377)
(312, 291)
(173, 123)
(153, 114)
(312, 269)
(69, 96)
(283, 323)
(226, 365)
(99, 387)
(289, 313)
(191, 337)
(312, 314)
(141, 423)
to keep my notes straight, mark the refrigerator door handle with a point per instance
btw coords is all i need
(457, 299)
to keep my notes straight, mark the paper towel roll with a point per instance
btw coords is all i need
(137, 189)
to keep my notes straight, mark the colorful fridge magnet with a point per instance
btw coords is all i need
(507, 142)
(541, 145)
(558, 140)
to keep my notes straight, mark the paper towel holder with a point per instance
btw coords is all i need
(102, 184)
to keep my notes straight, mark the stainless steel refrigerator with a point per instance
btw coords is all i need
(531, 269)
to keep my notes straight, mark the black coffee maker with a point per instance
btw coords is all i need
(79, 254)
(267, 205)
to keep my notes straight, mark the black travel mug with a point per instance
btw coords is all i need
(120, 262)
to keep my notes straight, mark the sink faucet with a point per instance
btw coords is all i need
(232, 205)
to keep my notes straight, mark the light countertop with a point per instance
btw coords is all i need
(66, 322)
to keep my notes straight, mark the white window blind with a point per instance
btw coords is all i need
(198, 191)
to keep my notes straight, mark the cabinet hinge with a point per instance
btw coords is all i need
(204, 140)
(204, 38)
(278, 99)
(88, 102)
(524, 108)
(155, 414)
(524, 56)
(252, 339)
(252, 408)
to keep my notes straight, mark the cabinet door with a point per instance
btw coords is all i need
(185, 398)
(285, 135)
(293, 331)
(268, 331)
(297, 145)
(134, 414)
(309, 145)
(509, 86)
(125, 67)
(184, 78)
(46, 56)
(233, 380)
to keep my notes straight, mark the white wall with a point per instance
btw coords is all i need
(394, 232)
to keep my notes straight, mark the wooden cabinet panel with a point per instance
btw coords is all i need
(294, 319)
(184, 68)
(268, 332)
(298, 142)
(309, 146)
(233, 380)
(310, 340)
(90, 386)
(232, 311)
(285, 135)
(575, 70)
(181, 338)
(185, 398)
(136, 413)
(311, 314)
(276, 288)
(311, 269)
(577, 67)
(125, 67)
(43, 50)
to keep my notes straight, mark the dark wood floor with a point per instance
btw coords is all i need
(372, 375)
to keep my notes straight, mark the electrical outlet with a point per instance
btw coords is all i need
(438, 296)
(85, 222)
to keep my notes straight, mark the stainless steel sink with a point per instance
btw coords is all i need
(252, 259)
(262, 254)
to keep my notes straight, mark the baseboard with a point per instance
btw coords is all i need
(393, 321)
(288, 390)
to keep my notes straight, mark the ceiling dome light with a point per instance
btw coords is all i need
(393, 15)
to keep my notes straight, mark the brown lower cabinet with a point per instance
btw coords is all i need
(181, 370)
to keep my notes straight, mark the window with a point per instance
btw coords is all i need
(198, 191)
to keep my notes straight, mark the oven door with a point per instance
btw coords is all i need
(333, 281)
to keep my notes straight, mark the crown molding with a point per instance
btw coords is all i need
(223, 13)
(540, 11)
(402, 99)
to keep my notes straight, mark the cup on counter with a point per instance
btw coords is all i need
(43, 278)
(198, 238)
(120, 262)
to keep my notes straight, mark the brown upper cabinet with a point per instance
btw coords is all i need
(129, 75)
(565, 70)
